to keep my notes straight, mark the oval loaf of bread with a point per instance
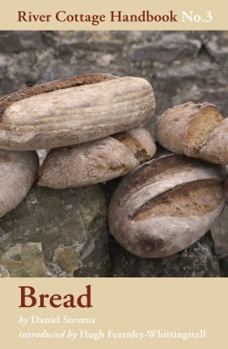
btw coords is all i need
(74, 110)
(97, 161)
(165, 205)
(18, 171)
(196, 130)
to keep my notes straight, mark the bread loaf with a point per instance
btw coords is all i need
(97, 161)
(165, 205)
(73, 111)
(18, 171)
(196, 130)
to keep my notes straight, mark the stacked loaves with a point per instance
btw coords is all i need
(95, 110)
(92, 128)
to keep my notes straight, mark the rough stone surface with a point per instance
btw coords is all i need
(196, 261)
(182, 66)
(224, 266)
(171, 47)
(219, 231)
(56, 233)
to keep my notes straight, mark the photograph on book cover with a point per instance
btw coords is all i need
(113, 154)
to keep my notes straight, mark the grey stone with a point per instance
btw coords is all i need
(219, 231)
(9, 42)
(25, 259)
(217, 46)
(224, 266)
(194, 92)
(170, 47)
(56, 233)
(180, 65)
(14, 41)
(187, 70)
(196, 261)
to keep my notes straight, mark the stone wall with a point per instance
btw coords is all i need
(180, 65)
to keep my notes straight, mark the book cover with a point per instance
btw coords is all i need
(113, 173)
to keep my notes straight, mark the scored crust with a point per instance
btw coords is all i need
(200, 128)
(55, 115)
(46, 87)
(165, 205)
(187, 128)
(216, 148)
(192, 199)
(97, 161)
(163, 168)
(139, 142)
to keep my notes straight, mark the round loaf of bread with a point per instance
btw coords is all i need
(18, 171)
(74, 110)
(196, 130)
(97, 161)
(165, 205)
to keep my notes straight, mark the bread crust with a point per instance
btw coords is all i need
(73, 111)
(18, 171)
(190, 197)
(196, 130)
(98, 161)
(216, 148)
